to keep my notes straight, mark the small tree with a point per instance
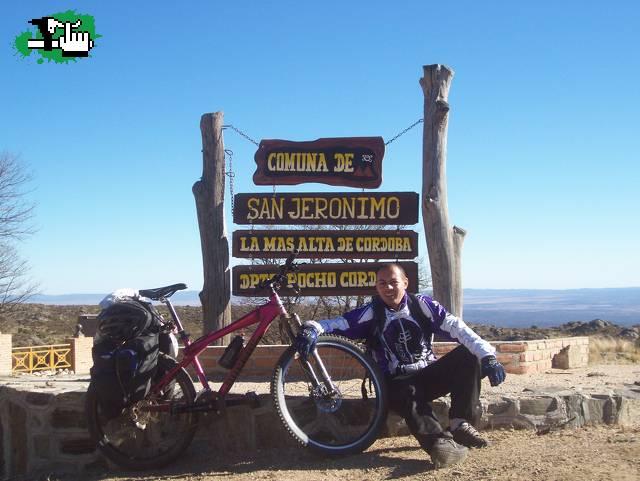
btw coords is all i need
(15, 224)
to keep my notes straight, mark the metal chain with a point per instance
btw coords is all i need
(404, 131)
(231, 174)
(241, 133)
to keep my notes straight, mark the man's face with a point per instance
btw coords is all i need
(391, 285)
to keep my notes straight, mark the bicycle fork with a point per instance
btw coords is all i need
(324, 382)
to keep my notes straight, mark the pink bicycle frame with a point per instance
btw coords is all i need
(264, 315)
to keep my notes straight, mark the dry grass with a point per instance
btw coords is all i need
(607, 349)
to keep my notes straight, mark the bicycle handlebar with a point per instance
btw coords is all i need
(277, 279)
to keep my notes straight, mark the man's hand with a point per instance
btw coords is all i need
(492, 368)
(305, 342)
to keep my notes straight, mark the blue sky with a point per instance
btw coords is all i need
(543, 131)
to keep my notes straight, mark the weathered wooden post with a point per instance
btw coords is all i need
(209, 195)
(443, 242)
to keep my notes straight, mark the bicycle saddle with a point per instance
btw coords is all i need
(157, 293)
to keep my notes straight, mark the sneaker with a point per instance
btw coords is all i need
(468, 436)
(446, 452)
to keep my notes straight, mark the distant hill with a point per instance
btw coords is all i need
(501, 307)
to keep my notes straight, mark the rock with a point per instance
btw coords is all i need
(631, 334)
(599, 324)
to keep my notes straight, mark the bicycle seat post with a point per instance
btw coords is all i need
(184, 336)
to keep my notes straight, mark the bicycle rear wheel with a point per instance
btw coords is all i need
(340, 419)
(141, 439)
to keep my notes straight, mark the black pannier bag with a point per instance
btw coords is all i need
(125, 354)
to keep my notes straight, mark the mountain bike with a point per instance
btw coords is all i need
(334, 402)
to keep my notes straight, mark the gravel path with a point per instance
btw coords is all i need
(594, 453)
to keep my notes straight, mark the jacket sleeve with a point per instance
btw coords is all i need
(454, 328)
(355, 324)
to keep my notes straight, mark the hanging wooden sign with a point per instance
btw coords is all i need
(330, 279)
(326, 244)
(377, 208)
(348, 161)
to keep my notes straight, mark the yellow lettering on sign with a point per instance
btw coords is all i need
(361, 207)
(266, 208)
(252, 246)
(313, 279)
(383, 244)
(357, 279)
(251, 281)
(297, 162)
(345, 244)
(344, 162)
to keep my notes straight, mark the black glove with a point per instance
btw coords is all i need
(305, 342)
(489, 366)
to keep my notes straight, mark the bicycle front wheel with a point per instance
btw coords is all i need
(337, 403)
(139, 437)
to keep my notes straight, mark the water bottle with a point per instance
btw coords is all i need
(230, 354)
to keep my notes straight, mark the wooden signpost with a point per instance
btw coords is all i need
(378, 208)
(329, 279)
(349, 162)
(326, 244)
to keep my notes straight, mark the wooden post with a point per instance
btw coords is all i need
(209, 195)
(443, 242)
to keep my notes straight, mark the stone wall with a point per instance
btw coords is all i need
(43, 429)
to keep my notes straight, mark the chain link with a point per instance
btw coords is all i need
(419, 121)
(231, 174)
(241, 133)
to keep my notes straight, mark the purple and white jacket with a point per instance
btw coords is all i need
(405, 348)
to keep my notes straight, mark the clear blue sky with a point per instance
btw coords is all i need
(544, 131)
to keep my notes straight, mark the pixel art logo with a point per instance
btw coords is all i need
(60, 37)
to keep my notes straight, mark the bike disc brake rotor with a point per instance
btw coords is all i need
(326, 401)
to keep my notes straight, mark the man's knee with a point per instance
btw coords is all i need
(465, 357)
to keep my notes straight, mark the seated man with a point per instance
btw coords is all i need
(399, 329)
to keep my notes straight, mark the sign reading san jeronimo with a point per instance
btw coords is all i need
(349, 162)
(379, 208)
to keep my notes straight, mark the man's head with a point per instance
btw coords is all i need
(391, 284)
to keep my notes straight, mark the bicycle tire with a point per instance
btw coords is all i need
(345, 423)
(158, 438)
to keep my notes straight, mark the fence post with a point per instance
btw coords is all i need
(6, 361)
(81, 360)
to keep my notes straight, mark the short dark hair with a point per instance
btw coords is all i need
(391, 265)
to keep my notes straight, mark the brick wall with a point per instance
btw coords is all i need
(518, 357)
(5, 354)
(81, 360)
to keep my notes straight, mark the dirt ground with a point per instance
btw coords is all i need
(590, 453)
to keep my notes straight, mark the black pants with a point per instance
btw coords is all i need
(456, 373)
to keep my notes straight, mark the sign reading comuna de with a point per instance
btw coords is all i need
(326, 244)
(329, 279)
(349, 161)
(366, 208)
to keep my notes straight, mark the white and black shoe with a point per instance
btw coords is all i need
(468, 436)
(446, 452)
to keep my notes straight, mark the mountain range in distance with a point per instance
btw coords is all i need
(500, 307)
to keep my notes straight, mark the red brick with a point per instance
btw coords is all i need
(516, 347)
(521, 369)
